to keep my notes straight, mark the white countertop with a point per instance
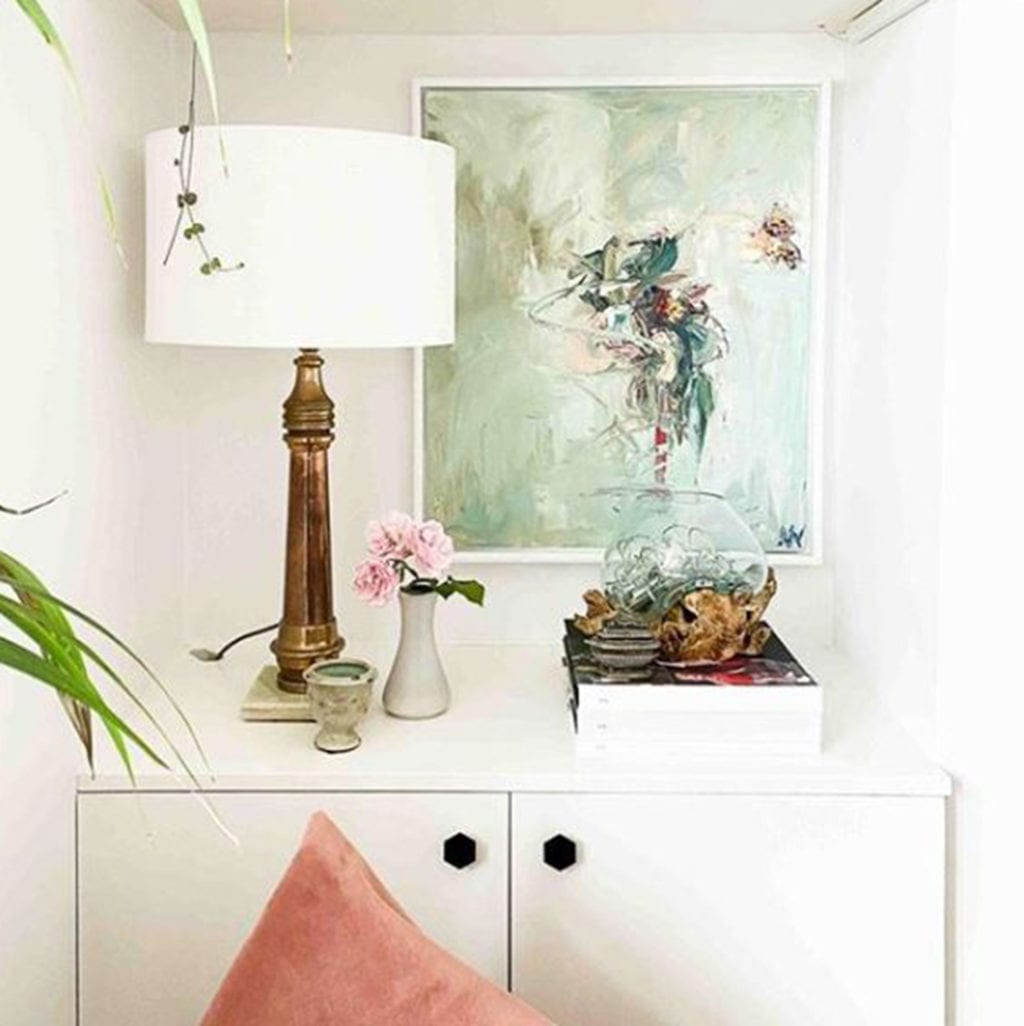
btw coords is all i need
(509, 730)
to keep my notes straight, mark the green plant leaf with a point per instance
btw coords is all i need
(51, 36)
(193, 15)
(287, 13)
(46, 672)
(40, 617)
(24, 582)
(53, 648)
(29, 621)
(60, 644)
(33, 593)
(110, 215)
(473, 591)
(35, 13)
(63, 606)
(93, 656)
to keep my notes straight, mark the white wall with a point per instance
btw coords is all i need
(893, 238)
(981, 686)
(84, 406)
(141, 434)
(235, 459)
(928, 374)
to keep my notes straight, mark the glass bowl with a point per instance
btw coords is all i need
(670, 542)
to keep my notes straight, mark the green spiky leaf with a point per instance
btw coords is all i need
(55, 608)
(31, 595)
(193, 15)
(41, 20)
(51, 36)
(287, 25)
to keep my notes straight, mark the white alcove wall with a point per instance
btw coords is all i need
(892, 225)
(235, 462)
(84, 407)
(175, 528)
(883, 349)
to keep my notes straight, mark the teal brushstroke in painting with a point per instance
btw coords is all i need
(524, 423)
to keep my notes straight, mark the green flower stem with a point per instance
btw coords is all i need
(473, 591)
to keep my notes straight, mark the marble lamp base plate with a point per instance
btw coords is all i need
(266, 701)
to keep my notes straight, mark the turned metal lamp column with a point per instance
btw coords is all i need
(308, 630)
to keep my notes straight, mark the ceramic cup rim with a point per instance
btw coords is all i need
(368, 675)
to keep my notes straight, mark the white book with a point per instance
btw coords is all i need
(799, 729)
(654, 699)
(719, 708)
(632, 752)
(684, 723)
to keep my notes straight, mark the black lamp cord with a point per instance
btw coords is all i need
(207, 655)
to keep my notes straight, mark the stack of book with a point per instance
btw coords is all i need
(751, 704)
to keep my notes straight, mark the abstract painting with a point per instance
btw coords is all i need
(636, 307)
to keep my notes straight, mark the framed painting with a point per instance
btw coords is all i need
(640, 303)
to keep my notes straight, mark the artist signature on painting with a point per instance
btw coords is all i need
(791, 537)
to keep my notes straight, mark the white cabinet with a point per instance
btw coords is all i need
(165, 900)
(804, 891)
(708, 910)
(730, 910)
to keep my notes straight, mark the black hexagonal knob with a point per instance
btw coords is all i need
(559, 852)
(460, 850)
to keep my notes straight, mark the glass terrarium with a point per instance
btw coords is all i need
(672, 542)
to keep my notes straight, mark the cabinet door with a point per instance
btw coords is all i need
(730, 910)
(165, 900)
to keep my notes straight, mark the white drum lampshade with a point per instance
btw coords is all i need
(347, 237)
(347, 240)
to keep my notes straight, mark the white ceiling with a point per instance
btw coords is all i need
(518, 17)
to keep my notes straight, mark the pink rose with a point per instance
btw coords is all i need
(389, 537)
(376, 581)
(431, 548)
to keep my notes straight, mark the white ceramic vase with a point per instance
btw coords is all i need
(417, 688)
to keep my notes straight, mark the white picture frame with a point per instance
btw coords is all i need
(818, 269)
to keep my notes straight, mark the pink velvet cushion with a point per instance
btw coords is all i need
(333, 948)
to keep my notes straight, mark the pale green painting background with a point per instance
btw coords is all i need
(516, 423)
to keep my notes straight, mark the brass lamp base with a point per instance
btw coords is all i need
(297, 647)
(308, 631)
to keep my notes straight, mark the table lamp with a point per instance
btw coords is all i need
(326, 223)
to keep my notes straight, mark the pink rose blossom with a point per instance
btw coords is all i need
(432, 549)
(389, 537)
(376, 581)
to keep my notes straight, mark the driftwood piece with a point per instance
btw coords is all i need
(599, 612)
(704, 626)
(708, 627)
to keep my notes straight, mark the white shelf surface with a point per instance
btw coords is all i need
(509, 730)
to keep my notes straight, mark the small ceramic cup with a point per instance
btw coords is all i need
(339, 693)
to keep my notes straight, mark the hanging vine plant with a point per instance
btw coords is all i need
(186, 225)
(192, 14)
